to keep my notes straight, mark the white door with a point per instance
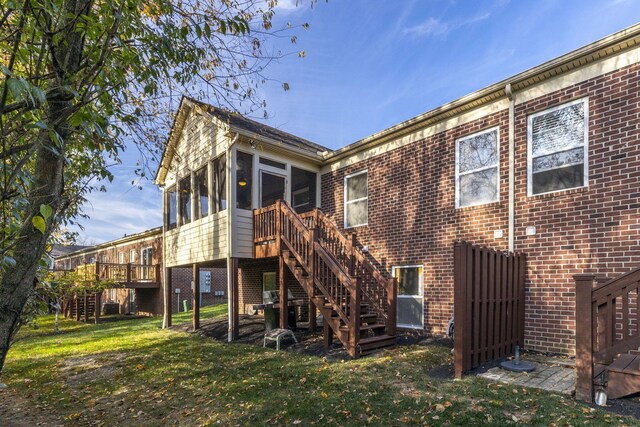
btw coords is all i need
(410, 309)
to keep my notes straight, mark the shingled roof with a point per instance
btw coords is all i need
(238, 121)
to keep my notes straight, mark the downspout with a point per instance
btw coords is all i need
(229, 240)
(512, 157)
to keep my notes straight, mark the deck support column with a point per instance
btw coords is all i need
(168, 300)
(233, 299)
(98, 303)
(196, 297)
(86, 307)
(284, 294)
(312, 316)
(327, 333)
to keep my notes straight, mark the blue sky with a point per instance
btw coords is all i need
(370, 64)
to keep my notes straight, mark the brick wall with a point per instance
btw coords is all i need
(182, 277)
(250, 283)
(413, 219)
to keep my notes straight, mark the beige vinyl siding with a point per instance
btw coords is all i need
(199, 241)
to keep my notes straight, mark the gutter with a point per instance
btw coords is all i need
(279, 146)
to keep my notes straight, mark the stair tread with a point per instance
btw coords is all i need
(371, 340)
(366, 327)
(626, 363)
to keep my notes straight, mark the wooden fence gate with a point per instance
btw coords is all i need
(488, 304)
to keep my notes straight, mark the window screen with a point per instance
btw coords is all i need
(185, 200)
(558, 148)
(172, 208)
(356, 200)
(202, 192)
(477, 159)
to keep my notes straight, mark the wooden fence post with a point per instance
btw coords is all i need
(459, 306)
(584, 336)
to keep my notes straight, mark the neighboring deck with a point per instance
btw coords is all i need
(134, 276)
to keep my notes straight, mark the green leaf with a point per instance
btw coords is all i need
(38, 222)
(46, 211)
(15, 87)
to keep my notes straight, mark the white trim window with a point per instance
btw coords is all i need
(477, 168)
(557, 149)
(132, 256)
(410, 303)
(356, 199)
(113, 295)
(120, 257)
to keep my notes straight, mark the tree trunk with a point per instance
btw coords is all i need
(17, 283)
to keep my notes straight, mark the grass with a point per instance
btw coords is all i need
(132, 372)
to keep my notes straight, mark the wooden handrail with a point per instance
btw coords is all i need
(606, 313)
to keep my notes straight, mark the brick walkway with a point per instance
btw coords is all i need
(550, 377)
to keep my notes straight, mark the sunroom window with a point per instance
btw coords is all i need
(172, 208)
(477, 158)
(185, 200)
(557, 158)
(356, 200)
(202, 192)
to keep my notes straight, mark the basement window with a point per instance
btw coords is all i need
(477, 170)
(557, 148)
(410, 302)
(356, 199)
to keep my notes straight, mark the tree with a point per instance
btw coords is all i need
(81, 79)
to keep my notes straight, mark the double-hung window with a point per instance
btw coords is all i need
(557, 149)
(477, 170)
(356, 199)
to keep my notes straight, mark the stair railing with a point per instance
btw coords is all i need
(606, 323)
(378, 291)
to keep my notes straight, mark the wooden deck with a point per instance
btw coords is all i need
(134, 276)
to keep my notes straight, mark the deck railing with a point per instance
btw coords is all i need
(375, 288)
(606, 324)
(122, 273)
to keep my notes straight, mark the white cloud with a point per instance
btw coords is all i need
(437, 28)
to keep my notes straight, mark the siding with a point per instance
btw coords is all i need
(199, 241)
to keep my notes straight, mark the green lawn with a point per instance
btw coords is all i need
(132, 372)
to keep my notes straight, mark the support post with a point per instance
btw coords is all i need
(77, 308)
(392, 298)
(196, 297)
(284, 300)
(354, 317)
(129, 272)
(312, 316)
(584, 336)
(168, 295)
(352, 256)
(235, 302)
(86, 307)
(98, 303)
(327, 333)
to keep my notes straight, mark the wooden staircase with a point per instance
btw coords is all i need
(607, 335)
(81, 308)
(357, 301)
